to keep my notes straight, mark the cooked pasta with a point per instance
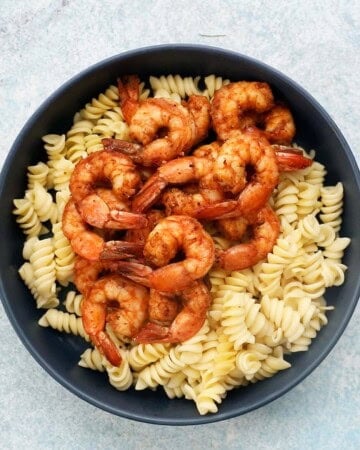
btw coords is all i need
(73, 302)
(64, 256)
(38, 173)
(54, 145)
(142, 355)
(62, 321)
(160, 372)
(175, 84)
(92, 359)
(27, 218)
(121, 378)
(43, 203)
(257, 315)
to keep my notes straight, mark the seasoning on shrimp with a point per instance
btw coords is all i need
(102, 168)
(164, 128)
(194, 303)
(170, 236)
(230, 171)
(87, 272)
(89, 244)
(126, 317)
(266, 229)
(232, 103)
(178, 171)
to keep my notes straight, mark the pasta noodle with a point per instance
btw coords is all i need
(62, 321)
(73, 302)
(92, 359)
(257, 315)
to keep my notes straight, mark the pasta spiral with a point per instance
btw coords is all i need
(73, 302)
(64, 256)
(142, 355)
(121, 378)
(159, 372)
(92, 359)
(62, 321)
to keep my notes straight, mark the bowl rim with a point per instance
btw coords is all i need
(7, 305)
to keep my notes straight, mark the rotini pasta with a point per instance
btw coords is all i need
(92, 359)
(64, 256)
(73, 302)
(121, 378)
(62, 321)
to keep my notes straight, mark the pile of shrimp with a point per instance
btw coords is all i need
(139, 210)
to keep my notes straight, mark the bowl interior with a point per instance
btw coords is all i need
(59, 353)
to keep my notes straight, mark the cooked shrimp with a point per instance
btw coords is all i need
(233, 102)
(104, 167)
(178, 171)
(209, 151)
(125, 319)
(172, 235)
(278, 125)
(231, 172)
(199, 108)
(183, 202)
(194, 301)
(140, 235)
(163, 307)
(164, 128)
(233, 229)
(206, 191)
(86, 272)
(266, 229)
(89, 244)
(290, 159)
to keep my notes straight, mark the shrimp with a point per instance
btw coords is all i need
(194, 303)
(164, 128)
(163, 307)
(188, 201)
(233, 103)
(171, 235)
(231, 172)
(101, 168)
(86, 272)
(233, 229)
(278, 125)
(178, 171)
(126, 318)
(89, 244)
(141, 234)
(199, 108)
(209, 191)
(290, 159)
(266, 229)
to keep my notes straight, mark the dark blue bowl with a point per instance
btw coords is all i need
(59, 353)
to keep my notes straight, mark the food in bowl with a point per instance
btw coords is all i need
(257, 314)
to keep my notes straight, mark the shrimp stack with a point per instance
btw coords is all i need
(138, 212)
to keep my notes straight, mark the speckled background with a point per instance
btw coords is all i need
(42, 44)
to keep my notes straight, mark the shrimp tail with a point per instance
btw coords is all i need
(221, 210)
(129, 220)
(135, 271)
(235, 258)
(148, 194)
(129, 93)
(121, 250)
(152, 333)
(107, 347)
(289, 159)
(118, 145)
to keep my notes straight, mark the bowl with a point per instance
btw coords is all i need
(58, 353)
